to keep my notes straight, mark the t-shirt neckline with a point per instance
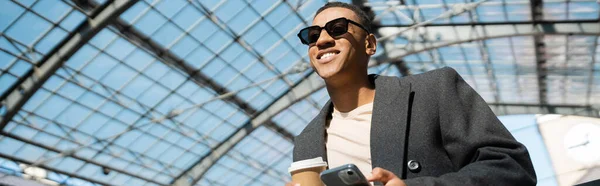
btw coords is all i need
(357, 111)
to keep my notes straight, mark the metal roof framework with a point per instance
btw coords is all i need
(257, 114)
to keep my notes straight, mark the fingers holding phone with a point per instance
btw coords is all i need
(345, 175)
(386, 177)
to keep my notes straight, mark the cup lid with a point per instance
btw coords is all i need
(308, 163)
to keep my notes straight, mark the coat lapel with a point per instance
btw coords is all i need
(311, 144)
(388, 124)
(388, 128)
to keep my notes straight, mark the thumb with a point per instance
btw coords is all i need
(381, 175)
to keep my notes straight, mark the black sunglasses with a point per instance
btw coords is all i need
(334, 28)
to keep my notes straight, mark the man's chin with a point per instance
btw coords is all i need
(328, 74)
(324, 75)
(327, 71)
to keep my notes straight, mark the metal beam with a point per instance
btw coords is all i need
(540, 53)
(537, 7)
(38, 75)
(542, 68)
(593, 71)
(516, 108)
(402, 68)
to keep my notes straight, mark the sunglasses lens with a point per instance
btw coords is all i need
(310, 35)
(334, 28)
(337, 27)
(303, 35)
(313, 35)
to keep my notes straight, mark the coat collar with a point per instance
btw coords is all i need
(388, 124)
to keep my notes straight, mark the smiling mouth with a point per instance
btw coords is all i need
(327, 55)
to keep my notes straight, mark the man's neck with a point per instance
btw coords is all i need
(351, 93)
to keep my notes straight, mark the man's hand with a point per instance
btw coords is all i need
(386, 177)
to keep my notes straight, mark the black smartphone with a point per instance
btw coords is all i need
(345, 175)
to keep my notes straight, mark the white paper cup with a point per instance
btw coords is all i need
(306, 172)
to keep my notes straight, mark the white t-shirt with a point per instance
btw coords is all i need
(348, 138)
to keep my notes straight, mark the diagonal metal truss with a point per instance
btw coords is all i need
(38, 75)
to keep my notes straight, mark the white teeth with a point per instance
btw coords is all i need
(327, 55)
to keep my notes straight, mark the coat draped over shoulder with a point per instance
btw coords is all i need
(432, 129)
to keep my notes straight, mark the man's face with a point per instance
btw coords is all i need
(343, 55)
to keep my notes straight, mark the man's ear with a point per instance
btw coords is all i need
(370, 44)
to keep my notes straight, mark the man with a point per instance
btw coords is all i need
(426, 129)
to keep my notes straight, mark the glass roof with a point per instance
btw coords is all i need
(188, 92)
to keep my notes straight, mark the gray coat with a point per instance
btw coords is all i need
(439, 124)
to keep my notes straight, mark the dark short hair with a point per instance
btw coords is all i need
(364, 14)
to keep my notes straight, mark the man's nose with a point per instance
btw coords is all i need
(325, 40)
